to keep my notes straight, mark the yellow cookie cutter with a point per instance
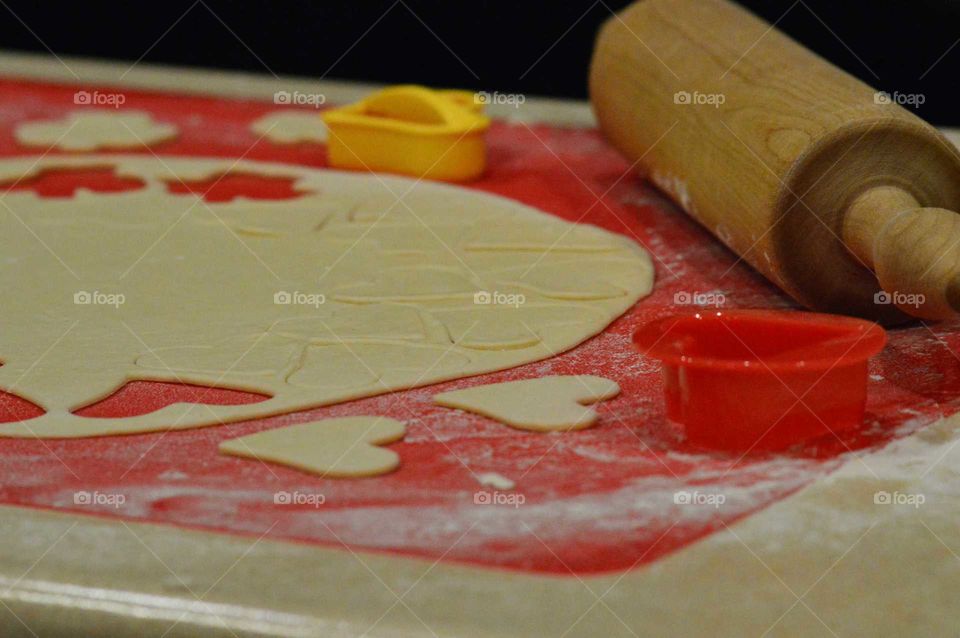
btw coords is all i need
(412, 130)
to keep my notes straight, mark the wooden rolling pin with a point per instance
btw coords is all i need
(832, 190)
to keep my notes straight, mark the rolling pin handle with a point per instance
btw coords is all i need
(914, 251)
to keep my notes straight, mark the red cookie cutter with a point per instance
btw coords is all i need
(743, 380)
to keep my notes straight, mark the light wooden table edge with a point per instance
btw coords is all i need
(68, 575)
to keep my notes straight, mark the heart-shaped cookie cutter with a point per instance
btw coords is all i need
(741, 380)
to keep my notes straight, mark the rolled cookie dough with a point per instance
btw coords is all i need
(538, 405)
(91, 130)
(291, 127)
(332, 448)
(339, 294)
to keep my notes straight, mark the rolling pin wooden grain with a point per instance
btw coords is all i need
(824, 185)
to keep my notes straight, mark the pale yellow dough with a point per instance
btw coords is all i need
(495, 480)
(291, 127)
(90, 130)
(340, 294)
(539, 405)
(332, 448)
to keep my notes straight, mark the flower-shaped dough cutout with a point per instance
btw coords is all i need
(291, 127)
(91, 130)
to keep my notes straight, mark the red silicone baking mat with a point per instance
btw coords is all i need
(590, 501)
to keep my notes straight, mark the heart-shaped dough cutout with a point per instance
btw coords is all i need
(333, 448)
(539, 405)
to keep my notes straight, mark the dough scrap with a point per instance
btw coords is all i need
(495, 480)
(291, 127)
(302, 301)
(332, 448)
(90, 130)
(538, 405)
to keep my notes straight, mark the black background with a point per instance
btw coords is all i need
(517, 47)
